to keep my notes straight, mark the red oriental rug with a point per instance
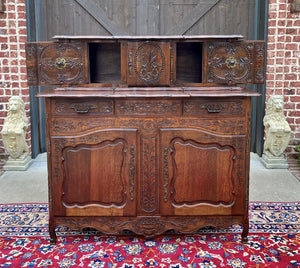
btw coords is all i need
(274, 241)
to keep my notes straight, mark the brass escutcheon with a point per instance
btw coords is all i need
(60, 63)
(231, 62)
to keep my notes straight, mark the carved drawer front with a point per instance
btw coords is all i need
(148, 107)
(50, 63)
(81, 106)
(66, 126)
(236, 62)
(217, 125)
(214, 107)
(148, 63)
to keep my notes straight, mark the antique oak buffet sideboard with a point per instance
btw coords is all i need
(147, 134)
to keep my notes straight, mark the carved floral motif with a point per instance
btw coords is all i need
(131, 173)
(149, 174)
(60, 63)
(260, 61)
(63, 125)
(166, 174)
(149, 62)
(146, 107)
(229, 126)
(150, 226)
(148, 125)
(228, 62)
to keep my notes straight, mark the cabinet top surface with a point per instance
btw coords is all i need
(149, 37)
(180, 92)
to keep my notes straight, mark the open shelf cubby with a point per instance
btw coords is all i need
(105, 62)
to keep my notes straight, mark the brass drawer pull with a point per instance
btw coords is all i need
(214, 107)
(83, 108)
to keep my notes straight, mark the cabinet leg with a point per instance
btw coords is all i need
(245, 231)
(52, 235)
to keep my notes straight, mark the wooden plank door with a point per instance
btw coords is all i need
(151, 17)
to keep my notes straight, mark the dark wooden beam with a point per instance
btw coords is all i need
(295, 6)
(99, 15)
(1, 6)
(188, 21)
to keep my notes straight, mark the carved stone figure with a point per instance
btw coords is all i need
(14, 130)
(277, 130)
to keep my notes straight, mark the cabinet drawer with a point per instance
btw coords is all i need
(82, 107)
(211, 107)
(148, 107)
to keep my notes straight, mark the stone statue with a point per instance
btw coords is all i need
(277, 131)
(14, 131)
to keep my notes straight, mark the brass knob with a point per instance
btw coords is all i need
(231, 62)
(60, 63)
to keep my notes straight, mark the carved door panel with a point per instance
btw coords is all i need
(236, 62)
(94, 174)
(50, 63)
(148, 64)
(202, 174)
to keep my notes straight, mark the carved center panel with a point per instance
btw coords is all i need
(62, 63)
(229, 62)
(149, 62)
(202, 173)
(112, 191)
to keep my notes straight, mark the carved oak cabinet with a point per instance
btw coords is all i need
(147, 134)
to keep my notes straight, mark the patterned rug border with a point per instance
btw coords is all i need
(255, 228)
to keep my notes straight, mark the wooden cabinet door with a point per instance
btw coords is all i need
(148, 63)
(94, 174)
(235, 62)
(53, 63)
(202, 173)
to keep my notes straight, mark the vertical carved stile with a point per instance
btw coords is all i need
(172, 61)
(149, 174)
(31, 62)
(259, 63)
(166, 174)
(130, 64)
(131, 173)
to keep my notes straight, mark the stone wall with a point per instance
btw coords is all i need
(13, 76)
(283, 64)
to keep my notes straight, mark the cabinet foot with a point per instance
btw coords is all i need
(245, 239)
(245, 231)
(53, 237)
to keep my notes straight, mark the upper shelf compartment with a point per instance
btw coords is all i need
(105, 63)
(149, 61)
